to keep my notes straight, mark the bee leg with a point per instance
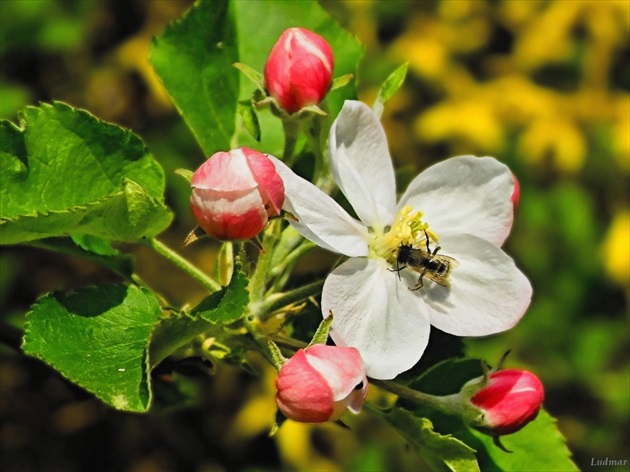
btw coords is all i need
(426, 240)
(397, 270)
(418, 285)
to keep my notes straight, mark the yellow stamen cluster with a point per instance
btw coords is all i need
(408, 228)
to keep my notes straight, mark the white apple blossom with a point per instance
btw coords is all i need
(463, 202)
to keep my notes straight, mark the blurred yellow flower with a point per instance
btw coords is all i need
(547, 38)
(296, 448)
(518, 101)
(621, 133)
(616, 249)
(257, 415)
(427, 56)
(515, 15)
(473, 121)
(556, 139)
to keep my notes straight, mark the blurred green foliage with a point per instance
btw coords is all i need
(543, 86)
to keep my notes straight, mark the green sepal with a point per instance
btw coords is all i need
(278, 422)
(249, 117)
(277, 359)
(185, 173)
(253, 75)
(321, 335)
(341, 81)
(391, 85)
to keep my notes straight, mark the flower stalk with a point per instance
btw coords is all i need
(276, 301)
(448, 404)
(183, 264)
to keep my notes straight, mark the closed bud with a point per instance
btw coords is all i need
(507, 401)
(234, 193)
(320, 382)
(299, 69)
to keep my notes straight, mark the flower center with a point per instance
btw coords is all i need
(408, 228)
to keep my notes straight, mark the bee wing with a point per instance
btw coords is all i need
(451, 261)
(438, 279)
(442, 279)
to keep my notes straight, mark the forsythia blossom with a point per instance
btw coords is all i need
(382, 308)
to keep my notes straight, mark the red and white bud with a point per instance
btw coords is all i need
(234, 193)
(299, 69)
(320, 382)
(508, 401)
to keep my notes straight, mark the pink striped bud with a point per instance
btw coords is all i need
(320, 382)
(299, 69)
(508, 401)
(234, 193)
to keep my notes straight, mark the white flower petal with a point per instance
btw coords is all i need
(361, 164)
(376, 313)
(465, 194)
(487, 294)
(321, 219)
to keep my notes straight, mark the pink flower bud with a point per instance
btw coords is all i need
(510, 400)
(516, 193)
(234, 193)
(299, 69)
(320, 382)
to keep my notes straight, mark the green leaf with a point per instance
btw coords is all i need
(120, 263)
(66, 172)
(174, 332)
(208, 317)
(94, 245)
(441, 452)
(538, 446)
(194, 57)
(97, 337)
(389, 88)
(226, 305)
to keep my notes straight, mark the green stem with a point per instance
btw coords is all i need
(263, 344)
(291, 128)
(315, 137)
(183, 264)
(278, 300)
(258, 280)
(279, 273)
(450, 404)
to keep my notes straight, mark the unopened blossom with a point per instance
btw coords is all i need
(464, 204)
(299, 69)
(320, 383)
(234, 193)
(508, 401)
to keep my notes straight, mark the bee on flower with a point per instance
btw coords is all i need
(465, 204)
